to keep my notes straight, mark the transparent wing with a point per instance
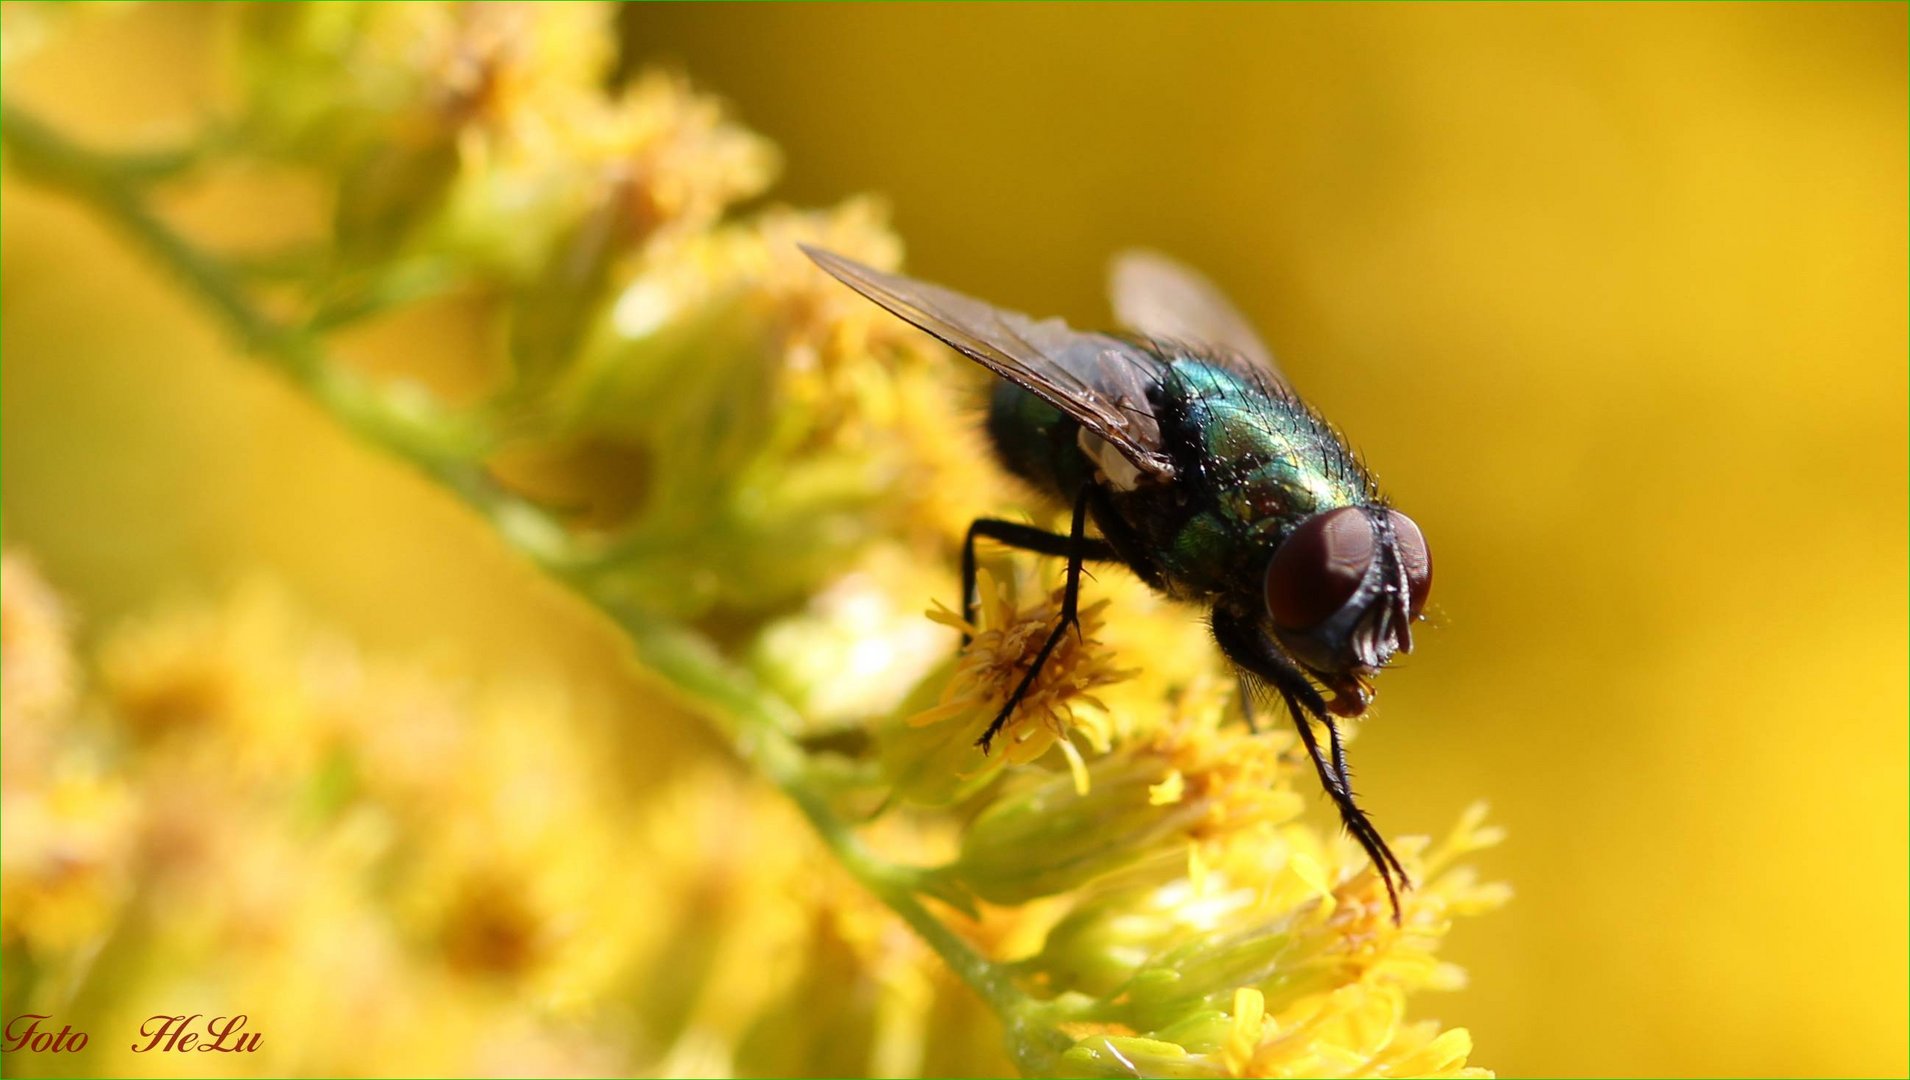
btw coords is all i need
(1100, 381)
(1161, 298)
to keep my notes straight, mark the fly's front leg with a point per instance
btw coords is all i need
(1077, 547)
(1247, 644)
(1346, 781)
(1339, 786)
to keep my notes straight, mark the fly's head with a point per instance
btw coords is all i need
(1343, 590)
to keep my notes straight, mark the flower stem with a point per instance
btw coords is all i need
(758, 724)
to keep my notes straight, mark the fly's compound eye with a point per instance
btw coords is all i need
(1316, 571)
(1414, 558)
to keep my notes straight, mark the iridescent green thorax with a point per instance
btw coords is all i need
(1256, 463)
(1253, 462)
(1271, 461)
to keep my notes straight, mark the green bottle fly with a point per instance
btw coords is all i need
(1203, 472)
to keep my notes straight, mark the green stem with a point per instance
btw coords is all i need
(448, 447)
(441, 443)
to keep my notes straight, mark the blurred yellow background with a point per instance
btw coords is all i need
(1612, 298)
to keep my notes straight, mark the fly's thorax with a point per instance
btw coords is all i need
(1254, 463)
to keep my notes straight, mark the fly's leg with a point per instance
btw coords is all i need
(1246, 644)
(1338, 750)
(1346, 784)
(1076, 548)
(1026, 538)
(1356, 819)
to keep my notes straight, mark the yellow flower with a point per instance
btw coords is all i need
(37, 679)
(65, 861)
(659, 159)
(932, 752)
(756, 434)
(236, 673)
(670, 154)
(1181, 915)
(66, 825)
(857, 646)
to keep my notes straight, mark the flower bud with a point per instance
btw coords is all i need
(1047, 838)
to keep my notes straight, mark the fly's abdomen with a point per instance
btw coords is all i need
(1036, 441)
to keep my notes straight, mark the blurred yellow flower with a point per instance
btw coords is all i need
(65, 822)
(37, 682)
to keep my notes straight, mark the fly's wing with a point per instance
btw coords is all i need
(1100, 381)
(1161, 298)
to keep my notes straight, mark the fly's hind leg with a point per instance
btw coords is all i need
(1077, 547)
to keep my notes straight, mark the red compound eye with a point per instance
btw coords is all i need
(1414, 557)
(1316, 571)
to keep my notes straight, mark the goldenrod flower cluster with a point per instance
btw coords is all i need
(762, 480)
(399, 870)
